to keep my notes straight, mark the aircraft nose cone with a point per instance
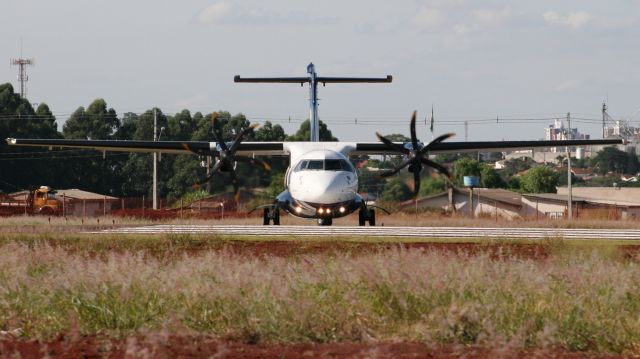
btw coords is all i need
(322, 188)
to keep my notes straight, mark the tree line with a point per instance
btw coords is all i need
(124, 174)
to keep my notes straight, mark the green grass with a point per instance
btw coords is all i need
(582, 298)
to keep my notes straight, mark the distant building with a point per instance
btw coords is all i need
(587, 202)
(622, 129)
(558, 132)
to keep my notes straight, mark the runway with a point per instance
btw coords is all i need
(413, 232)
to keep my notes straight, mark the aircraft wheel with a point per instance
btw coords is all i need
(276, 217)
(265, 217)
(325, 221)
(372, 218)
(362, 220)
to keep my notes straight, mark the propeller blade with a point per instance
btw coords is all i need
(213, 172)
(416, 178)
(253, 161)
(391, 145)
(216, 167)
(217, 134)
(200, 183)
(440, 168)
(436, 140)
(234, 182)
(241, 136)
(396, 170)
(412, 127)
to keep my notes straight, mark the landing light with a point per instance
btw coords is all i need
(298, 209)
(320, 210)
(328, 210)
(342, 209)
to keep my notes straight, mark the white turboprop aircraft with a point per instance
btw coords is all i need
(320, 183)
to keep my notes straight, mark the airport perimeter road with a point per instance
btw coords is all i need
(418, 232)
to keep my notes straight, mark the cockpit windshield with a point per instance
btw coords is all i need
(326, 165)
(315, 165)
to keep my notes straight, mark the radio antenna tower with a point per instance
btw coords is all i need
(22, 64)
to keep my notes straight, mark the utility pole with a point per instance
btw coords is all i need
(604, 115)
(466, 131)
(155, 161)
(569, 197)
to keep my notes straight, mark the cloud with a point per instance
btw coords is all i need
(566, 85)
(574, 20)
(237, 13)
(491, 17)
(429, 17)
(463, 29)
(214, 12)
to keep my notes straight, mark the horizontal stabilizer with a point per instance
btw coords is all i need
(294, 80)
(343, 80)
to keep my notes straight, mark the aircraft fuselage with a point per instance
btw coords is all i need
(320, 184)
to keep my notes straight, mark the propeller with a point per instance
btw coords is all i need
(227, 157)
(417, 156)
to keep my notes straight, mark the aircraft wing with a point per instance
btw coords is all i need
(176, 147)
(282, 148)
(486, 146)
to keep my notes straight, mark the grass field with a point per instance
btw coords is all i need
(577, 296)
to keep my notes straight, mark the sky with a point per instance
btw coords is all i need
(475, 61)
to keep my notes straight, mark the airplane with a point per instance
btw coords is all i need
(321, 183)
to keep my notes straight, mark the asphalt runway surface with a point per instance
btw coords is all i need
(414, 232)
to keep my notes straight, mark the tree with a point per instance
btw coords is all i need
(432, 185)
(304, 133)
(489, 177)
(369, 182)
(396, 190)
(268, 132)
(95, 123)
(540, 179)
(611, 159)
(19, 165)
(276, 186)
(516, 165)
(91, 171)
(465, 167)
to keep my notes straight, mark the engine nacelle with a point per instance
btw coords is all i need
(225, 166)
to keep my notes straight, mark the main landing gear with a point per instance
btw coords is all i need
(366, 215)
(271, 214)
(325, 221)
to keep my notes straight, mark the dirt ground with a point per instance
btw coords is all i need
(496, 251)
(171, 346)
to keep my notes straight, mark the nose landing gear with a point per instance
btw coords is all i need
(366, 215)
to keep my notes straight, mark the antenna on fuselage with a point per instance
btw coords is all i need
(313, 79)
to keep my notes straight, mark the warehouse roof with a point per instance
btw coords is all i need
(80, 194)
